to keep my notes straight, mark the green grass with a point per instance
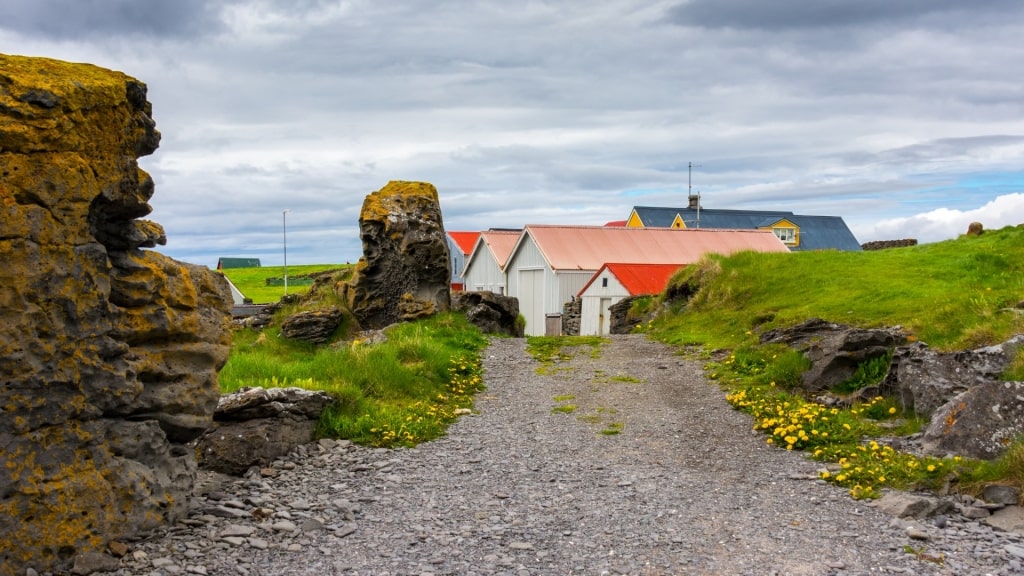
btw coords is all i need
(550, 349)
(400, 392)
(252, 282)
(953, 295)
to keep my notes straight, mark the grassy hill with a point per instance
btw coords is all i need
(952, 295)
(955, 294)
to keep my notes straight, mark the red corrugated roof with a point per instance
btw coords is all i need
(616, 223)
(641, 279)
(500, 243)
(590, 247)
(465, 240)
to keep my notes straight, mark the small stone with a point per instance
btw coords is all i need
(294, 548)
(201, 570)
(225, 512)
(258, 543)
(975, 512)
(521, 546)
(312, 525)
(237, 530)
(916, 533)
(91, 562)
(284, 526)
(163, 562)
(998, 494)
(140, 555)
(1014, 549)
(117, 549)
(234, 540)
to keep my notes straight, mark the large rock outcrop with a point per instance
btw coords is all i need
(404, 272)
(108, 353)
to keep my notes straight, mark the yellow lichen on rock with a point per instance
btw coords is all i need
(108, 352)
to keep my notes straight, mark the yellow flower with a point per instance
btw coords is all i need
(931, 467)
(881, 478)
(892, 410)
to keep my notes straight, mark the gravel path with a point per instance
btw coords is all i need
(686, 487)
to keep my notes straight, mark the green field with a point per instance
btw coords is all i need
(252, 282)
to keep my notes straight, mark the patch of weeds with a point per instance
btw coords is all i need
(564, 409)
(564, 398)
(626, 378)
(612, 429)
(590, 419)
(921, 555)
(607, 411)
(868, 373)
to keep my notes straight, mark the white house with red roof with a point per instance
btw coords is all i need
(485, 266)
(614, 282)
(549, 265)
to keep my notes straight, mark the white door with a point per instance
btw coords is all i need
(531, 300)
(604, 324)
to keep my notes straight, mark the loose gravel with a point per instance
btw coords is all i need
(652, 473)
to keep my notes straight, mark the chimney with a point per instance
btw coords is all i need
(694, 202)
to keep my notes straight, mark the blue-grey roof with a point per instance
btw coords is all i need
(816, 232)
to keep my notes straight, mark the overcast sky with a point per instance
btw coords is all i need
(905, 117)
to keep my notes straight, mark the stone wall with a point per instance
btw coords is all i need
(884, 244)
(571, 314)
(108, 353)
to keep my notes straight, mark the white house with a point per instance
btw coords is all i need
(612, 283)
(550, 265)
(485, 266)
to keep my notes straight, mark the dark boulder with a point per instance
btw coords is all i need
(924, 379)
(492, 313)
(979, 423)
(834, 350)
(314, 326)
(255, 426)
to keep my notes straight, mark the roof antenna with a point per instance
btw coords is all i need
(694, 201)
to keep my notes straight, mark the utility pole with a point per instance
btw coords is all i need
(284, 236)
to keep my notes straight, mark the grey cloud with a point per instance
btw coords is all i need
(816, 14)
(77, 19)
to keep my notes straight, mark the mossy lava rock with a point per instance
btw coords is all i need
(108, 353)
(404, 273)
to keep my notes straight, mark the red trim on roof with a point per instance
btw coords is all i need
(616, 223)
(465, 240)
(638, 279)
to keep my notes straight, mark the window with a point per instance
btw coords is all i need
(787, 235)
(604, 282)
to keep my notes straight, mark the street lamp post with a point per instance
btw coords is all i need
(284, 235)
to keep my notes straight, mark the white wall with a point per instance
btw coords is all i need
(484, 274)
(594, 316)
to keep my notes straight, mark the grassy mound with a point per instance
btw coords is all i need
(958, 294)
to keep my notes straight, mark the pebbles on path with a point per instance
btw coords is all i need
(651, 474)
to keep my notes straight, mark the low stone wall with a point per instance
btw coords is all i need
(884, 244)
(571, 313)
